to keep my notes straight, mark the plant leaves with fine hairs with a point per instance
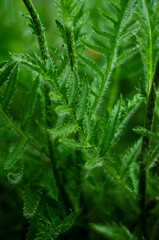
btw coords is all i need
(29, 104)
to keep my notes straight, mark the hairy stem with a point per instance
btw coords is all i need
(39, 30)
(145, 146)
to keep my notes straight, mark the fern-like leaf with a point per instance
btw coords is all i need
(75, 144)
(102, 33)
(64, 130)
(10, 88)
(32, 196)
(15, 155)
(5, 71)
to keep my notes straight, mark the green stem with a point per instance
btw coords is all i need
(145, 147)
(39, 30)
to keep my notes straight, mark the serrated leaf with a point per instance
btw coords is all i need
(73, 91)
(32, 63)
(10, 88)
(110, 129)
(61, 29)
(96, 48)
(81, 21)
(130, 156)
(125, 56)
(82, 104)
(29, 104)
(91, 64)
(111, 19)
(15, 155)
(32, 196)
(65, 78)
(64, 130)
(102, 33)
(147, 133)
(5, 72)
(114, 6)
(75, 144)
(153, 158)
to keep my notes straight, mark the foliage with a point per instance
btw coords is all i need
(66, 118)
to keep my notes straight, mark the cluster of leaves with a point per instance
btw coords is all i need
(65, 143)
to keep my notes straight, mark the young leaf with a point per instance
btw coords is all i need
(29, 104)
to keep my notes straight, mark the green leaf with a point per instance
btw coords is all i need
(73, 91)
(14, 155)
(29, 104)
(32, 196)
(147, 133)
(5, 71)
(153, 158)
(91, 64)
(82, 104)
(64, 130)
(114, 232)
(61, 29)
(15, 174)
(81, 21)
(99, 49)
(111, 19)
(114, 6)
(32, 63)
(10, 88)
(111, 128)
(75, 144)
(125, 56)
(102, 33)
(130, 156)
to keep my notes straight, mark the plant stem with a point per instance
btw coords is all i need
(39, 30)
(145, 147)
